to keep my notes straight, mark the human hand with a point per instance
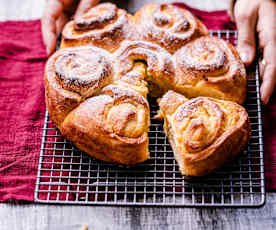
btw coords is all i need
(56, 14)
(258, 17)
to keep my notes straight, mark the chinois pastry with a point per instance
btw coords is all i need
(168, 26)
(209, 66)
(104, 26)
(204, 132)
(109, 61)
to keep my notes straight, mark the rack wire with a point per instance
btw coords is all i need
(68, 176)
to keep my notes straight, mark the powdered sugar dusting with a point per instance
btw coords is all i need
(159, 61)
(169, 26)
(83, 69)
(97, 17)
(105, 29)
(208, 59)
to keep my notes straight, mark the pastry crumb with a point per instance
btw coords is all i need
(84, 227)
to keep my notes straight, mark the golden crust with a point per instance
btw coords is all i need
(76, 99)
(96, 93)
(104, 26)
(211, 67)
(70, 77)
(159, 65)
(169, 26)
(134, 79)
(204, 132)
(111, 126)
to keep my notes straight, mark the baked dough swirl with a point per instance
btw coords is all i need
(159, 66)
(96, 86)
(134, 79)
(113, 126)
(104, 26)
(72, 75)
(209, 66)
(204, 132)
(169, 26)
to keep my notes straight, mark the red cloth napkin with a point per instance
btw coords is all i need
(215, 20)
(269, 131)
(22, 106)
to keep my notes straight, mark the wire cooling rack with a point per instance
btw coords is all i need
(68, 176)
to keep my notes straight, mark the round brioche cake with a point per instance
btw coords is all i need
(109, 61)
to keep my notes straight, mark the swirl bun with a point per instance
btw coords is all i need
(104, 26)
(73, 74)
(113, 126)
(209, 66)
(96, 91)
(201, 121)
(134, 79)
(168, 26)
(204, 132)
(97, 18)
(160, 68)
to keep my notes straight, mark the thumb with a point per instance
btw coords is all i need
(51, 14)
(246, 18)
(84, 6)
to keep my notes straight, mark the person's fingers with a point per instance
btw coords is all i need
(268, 84)
(262, 68)
(51, 13)
(84, 6)
(266, 26)
(62, 20)
(230, 10)
(267, 40)
(246, 18)
(269, 74)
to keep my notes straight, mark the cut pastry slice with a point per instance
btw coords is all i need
(204, 132)
(134, 79)
(111, 126)
(159, 67)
